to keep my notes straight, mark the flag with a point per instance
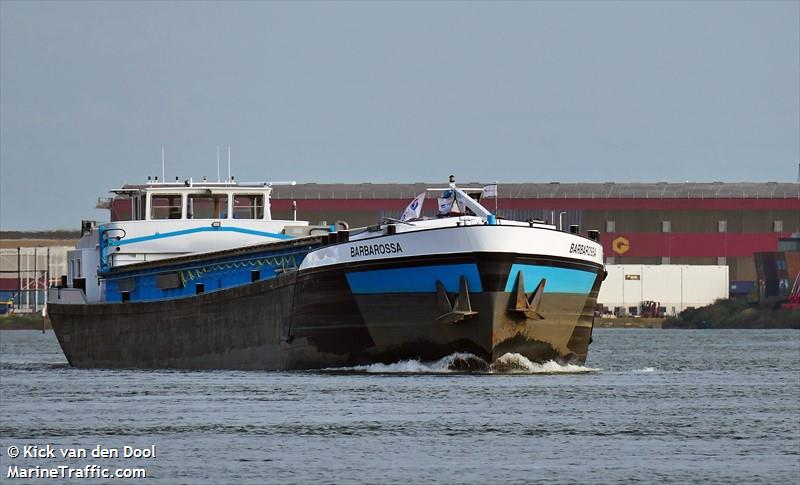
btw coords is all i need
(445, 205)
(414, 208)
(490, 191)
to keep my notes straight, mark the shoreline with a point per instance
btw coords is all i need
(629, 322)
(34, 322)
(25, 322)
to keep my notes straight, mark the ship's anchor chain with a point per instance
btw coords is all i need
(526, 305)
(460, 309)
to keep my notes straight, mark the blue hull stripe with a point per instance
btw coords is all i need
(240, 230)
(421, 279)
(559, 280)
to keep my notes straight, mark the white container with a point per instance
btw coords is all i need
(675, 287)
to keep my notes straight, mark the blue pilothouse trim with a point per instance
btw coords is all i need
(183, 232)
(108, 242)
(418, 279)
(559, 280)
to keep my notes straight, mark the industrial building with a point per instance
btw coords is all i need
(27, 272)
(640, 223)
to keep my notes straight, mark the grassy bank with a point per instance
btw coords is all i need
(55, 234)
(736, 314)
(628, 322)
(23, 322)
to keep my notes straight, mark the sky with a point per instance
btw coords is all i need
(390, 92)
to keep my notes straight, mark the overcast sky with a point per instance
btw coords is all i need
(390, 92)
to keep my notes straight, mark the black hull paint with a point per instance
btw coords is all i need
(311, 319)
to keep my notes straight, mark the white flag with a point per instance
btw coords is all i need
(445, 205)
(414, 208)
(490, 191)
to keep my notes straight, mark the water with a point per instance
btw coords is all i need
(650, 405)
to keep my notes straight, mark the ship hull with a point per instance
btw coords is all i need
(344, 315)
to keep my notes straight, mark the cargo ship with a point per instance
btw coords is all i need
(198, 275)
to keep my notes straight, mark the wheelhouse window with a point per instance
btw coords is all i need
(248, 206)
(121, 209)
(205, 206)
(125, 207)
(165, 206)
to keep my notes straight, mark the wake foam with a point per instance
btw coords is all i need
(510, 363)
(513, 363)
(457, 362)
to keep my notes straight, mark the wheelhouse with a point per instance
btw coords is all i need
(212, 201)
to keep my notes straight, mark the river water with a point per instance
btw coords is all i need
(685, 406)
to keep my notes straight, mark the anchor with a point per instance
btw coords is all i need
(460, 309)
(524, 305)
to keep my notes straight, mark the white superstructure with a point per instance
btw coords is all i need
(160, 220)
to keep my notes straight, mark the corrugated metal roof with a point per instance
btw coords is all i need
(689, 190)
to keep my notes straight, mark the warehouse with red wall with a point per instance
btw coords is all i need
(640, 223)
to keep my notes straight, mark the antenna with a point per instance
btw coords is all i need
(229, 162)
(218, 163)
(163, 167)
